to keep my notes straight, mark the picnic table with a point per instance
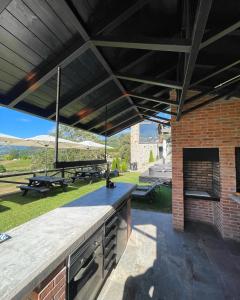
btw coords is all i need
(90, 175)
(43, 184)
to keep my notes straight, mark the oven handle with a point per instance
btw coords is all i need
(78, 276)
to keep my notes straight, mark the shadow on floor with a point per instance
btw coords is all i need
(160, 263)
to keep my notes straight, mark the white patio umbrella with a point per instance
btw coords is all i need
(93, 145)
(48, 141)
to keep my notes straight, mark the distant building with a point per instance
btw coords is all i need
(147, 136)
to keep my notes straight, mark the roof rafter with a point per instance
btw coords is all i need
(157, 121)
(152, 99)
(123, 17)
(220, 34)
(213, 90)
(125, 121)
(39, 77)
(124, 127)
(78, 25)
(135, 62)
(157, 110)
(155, 116)
(85, 92)
(201, 18)
(224, 94)
(148, 80)
(218, 71)
(98, 124)
(172, 45)
(97, 109)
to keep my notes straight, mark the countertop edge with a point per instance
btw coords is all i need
(50, 265)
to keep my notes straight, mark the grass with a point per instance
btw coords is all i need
(15, 209)
(12, 187)
(16, 165)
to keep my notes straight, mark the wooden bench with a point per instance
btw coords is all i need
(40, 189)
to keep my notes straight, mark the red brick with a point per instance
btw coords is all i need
(218, 126)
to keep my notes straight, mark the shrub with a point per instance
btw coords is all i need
(118, 163)
(2, 169)
(124, 166)
(151, 158)
(113, 165)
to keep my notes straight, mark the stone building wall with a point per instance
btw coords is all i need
(140, 152)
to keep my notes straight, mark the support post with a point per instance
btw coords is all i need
(106, 112)
(57, 112)
(107, 171)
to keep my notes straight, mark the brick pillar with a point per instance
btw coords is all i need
(230, 210)
(53, 287)
(177, 188)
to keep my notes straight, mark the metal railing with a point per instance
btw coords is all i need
(52, 172)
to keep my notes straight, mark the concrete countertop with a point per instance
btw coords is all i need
(40, 245)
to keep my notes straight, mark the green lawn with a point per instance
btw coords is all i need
(15, 209)
(16, 165)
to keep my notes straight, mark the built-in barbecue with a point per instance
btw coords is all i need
(201, 173)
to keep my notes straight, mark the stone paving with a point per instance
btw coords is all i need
(160, 263)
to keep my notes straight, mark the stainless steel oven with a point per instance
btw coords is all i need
(85, 269)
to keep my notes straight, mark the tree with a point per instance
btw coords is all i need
(151, 158)
(77, 135)
(121, 146)
(113, 165)
(118, 163)
(124, 166)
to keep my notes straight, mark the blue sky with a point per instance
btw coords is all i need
(22, 125)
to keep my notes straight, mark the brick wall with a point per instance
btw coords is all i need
(198, 175)
(53, 287)
(238, 168)
(216, 186)
(197, 209)
(217, 126)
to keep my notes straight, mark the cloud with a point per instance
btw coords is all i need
(23, 120)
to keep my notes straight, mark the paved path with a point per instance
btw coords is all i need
(160, 263)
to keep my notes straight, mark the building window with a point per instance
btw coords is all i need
(148, 133)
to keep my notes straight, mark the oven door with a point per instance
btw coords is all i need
(88, 278)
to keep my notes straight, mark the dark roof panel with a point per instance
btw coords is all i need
(111, 52)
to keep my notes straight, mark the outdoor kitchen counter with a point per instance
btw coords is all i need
(40, 245)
